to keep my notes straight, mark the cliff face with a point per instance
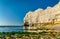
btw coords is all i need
(43, 16)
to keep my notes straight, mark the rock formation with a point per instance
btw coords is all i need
(43, 16)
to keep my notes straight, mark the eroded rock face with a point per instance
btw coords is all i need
(43, 16)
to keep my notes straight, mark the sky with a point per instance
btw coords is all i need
(12, 12)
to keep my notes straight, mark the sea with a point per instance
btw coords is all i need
(11, 29)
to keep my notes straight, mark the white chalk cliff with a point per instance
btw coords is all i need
(43, 16)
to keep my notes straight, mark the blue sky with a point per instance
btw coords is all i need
(12, 12)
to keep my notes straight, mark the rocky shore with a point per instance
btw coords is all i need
(30, 35)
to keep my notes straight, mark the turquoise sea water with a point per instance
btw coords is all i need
(11, 28)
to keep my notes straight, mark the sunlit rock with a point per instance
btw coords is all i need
(43, 16)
